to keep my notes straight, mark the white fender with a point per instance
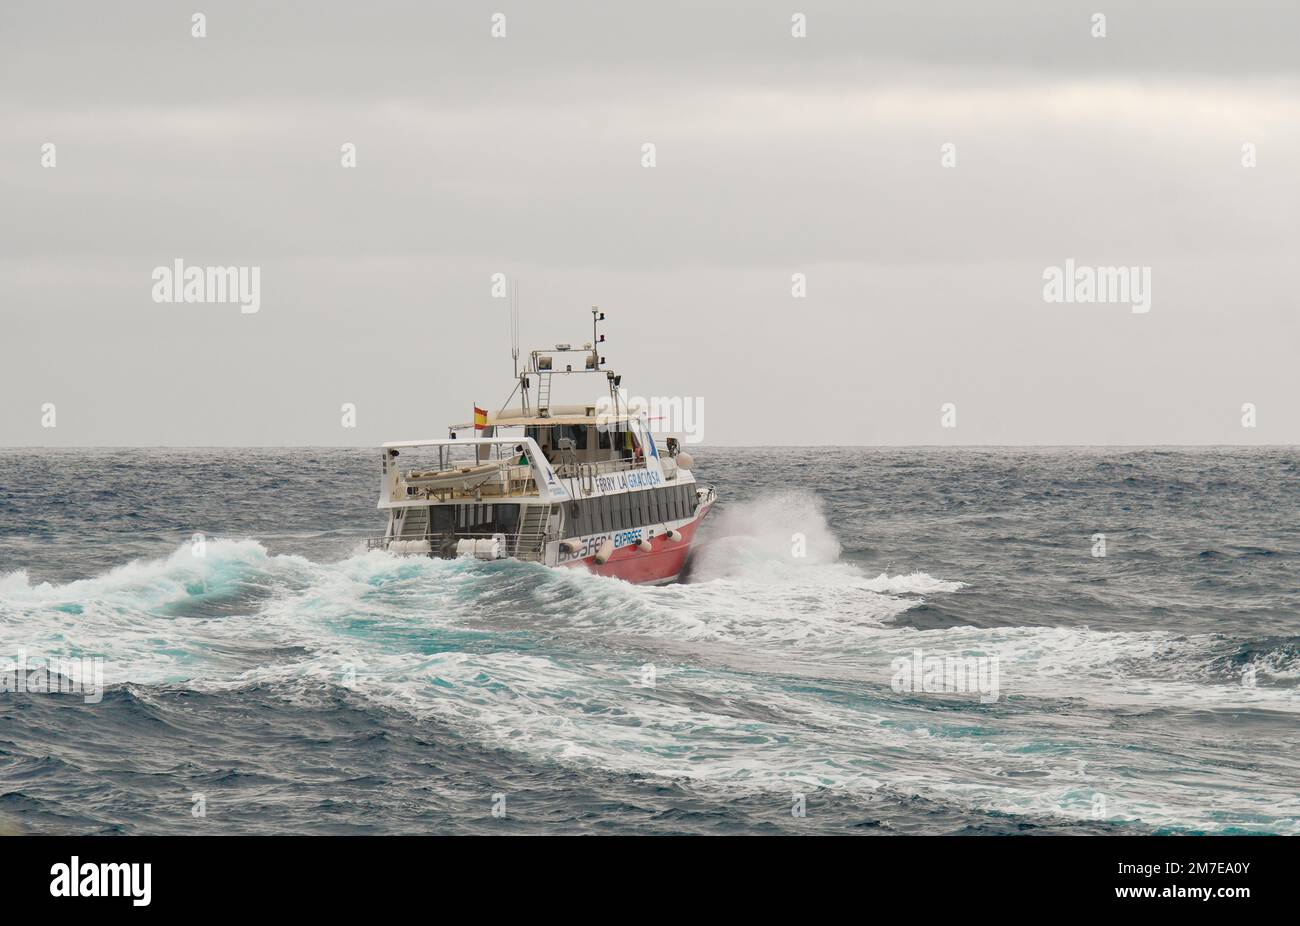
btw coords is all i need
(684, 460)
(570, 546)
(605, 552)
(405, 547)
(674, 536)
(644, 545)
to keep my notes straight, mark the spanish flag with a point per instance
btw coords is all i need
(480, 418)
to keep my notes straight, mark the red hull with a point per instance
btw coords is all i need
(662, 562)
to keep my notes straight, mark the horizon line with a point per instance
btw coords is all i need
(4, 447)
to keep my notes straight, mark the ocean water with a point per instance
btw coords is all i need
(286, 681)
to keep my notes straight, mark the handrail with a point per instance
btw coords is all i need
(596, 468)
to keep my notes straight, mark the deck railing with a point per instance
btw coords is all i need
(586, 473)
(524, 546)
(506, 480)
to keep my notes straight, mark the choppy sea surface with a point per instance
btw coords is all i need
(286, 681)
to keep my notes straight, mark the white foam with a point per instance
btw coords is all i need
(916, 583)
(769, 675)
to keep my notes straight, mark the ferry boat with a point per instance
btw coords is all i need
(562, 485)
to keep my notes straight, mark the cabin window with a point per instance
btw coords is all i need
(573, 432)
(481, 519)
(615, 437)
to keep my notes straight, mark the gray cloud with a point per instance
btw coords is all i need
(775, 156)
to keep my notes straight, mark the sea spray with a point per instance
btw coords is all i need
(761, 539)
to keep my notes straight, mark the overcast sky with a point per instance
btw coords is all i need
(775, 155)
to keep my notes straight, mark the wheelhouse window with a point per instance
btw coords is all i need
(574, 432)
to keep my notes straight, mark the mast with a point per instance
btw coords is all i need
(597, 339)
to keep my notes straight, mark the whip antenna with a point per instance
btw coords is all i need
(514, 324)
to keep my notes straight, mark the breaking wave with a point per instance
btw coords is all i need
(769, 669)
